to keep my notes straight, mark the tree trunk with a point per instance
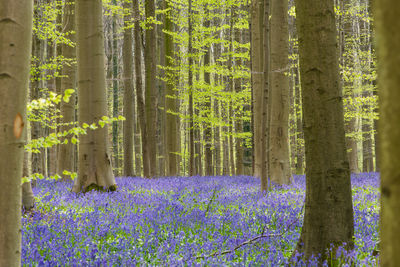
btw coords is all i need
(266, 92)
(38, 159)
(28, 199)
(328, 217)
(257, 72)
(208, 157)
(150, 87)
(95, 168)
(115, 92)
(139, 92)
(279, 119)
(239, 112)
(387, 24)
(171, 125)
(66, 153)
(190, 86)
(15, 49)
(129, 101)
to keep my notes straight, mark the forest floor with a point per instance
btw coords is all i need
(183, 221)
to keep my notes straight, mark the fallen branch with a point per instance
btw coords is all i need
(216, 253)
(250, 241)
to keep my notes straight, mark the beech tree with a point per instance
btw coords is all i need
(279, 94)
(328, 215)
(94, 168)
(129, 100)
(66, 153)
(15, 49)
(150, 56)
(388, 40)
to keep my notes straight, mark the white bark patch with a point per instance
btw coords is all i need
(18, 126)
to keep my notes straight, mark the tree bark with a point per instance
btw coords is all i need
(279, 119)
(129, 101)
(190, 86)
(387, 22)
(150, 87)
(115, 92)
(139, 92)
(257, 72)
(328, 215)
(15, 49)
(66, 153)
(95, 168)
(208, 157)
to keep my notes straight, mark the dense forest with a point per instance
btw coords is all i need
(199, 132)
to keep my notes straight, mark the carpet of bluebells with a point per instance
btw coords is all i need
(184, 221)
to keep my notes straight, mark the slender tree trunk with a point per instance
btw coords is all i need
(38, 159)
(190, 85)
(279, 121)
(15, 49)
(150, 86)
(139, 92)
(387, 22)
(208, 157)
(95, 168)
(239, 112)
(129, 101)
(28, 200)
(171, 125)
(328, 217)
(257, 73)
(66, 153)
(266, 92)
(161, 92)
(115, 91)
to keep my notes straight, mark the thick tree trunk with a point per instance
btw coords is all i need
(150, 87)
(388, 40)
(279, 120)
(95, 168)
(129, 101)
(139, 91)
(66, 155)
(328, 215)
(15, 49)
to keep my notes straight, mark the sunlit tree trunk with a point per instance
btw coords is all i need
(387, 22)
(15, 49)
(328, 217)
(94, 168)
(66, 153)
(139, 91)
